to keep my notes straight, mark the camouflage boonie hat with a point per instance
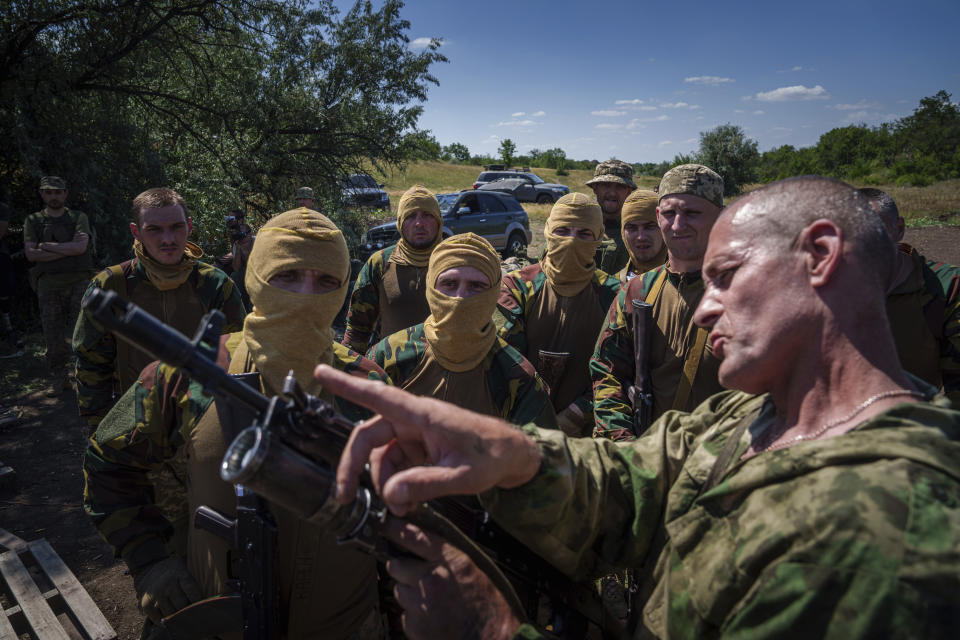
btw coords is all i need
(52, 182)
(613, 170)
(304, 192)
(694, 180)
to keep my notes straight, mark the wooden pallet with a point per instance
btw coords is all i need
(43, 597)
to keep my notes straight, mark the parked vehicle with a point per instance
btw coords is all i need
(496, 216)
(361, 190)
(523, 185)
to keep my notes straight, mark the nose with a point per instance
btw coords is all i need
(709, 310)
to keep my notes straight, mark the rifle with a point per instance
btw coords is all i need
(296, 440)
(641, 391)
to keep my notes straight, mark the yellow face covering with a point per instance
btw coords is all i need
(416, 198)
(641, 206)
(568, 264)
(289, 330)
(460, 331)
(168, 276)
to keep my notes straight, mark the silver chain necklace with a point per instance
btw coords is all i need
(819, 432)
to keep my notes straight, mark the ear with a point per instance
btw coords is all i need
(822, 245)
(901, 229)
(135, 230)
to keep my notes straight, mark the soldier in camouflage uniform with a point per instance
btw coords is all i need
(456, 355)
(683, 369)
(554, 309)
(641, 234)
(826, 506)
(57, 239)
(612, 182)
(167, 279)
(304, 197)
(923, 306)
(390, 292)
(297, 276)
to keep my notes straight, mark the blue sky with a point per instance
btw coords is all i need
(641, 80)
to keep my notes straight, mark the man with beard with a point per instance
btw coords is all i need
(612, 182)
(820, 500)
(390, 293)
(57, 239)
(683, 369)
(554, 309)
(641, 234)
(297, 276)
(455, 354)
(923, 306)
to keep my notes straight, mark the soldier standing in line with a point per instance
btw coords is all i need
(923, 306)
(391, 290)
(612, 182)
(297, 277)
(554, 309)
(304, 197)
(57, 239)
(456, 354)
(682, 366)
(641, 234)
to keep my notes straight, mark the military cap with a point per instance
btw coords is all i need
(694, 180)
(613, 170)
(52, 182)
(304, 192)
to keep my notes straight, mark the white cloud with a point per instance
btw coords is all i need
(516, 123)
(647, 107)
(635, 101)
(691, 140)
(608, 125)
(674, 105)
(694, 107)
(699, 118)
(712, 81)
(518, 114)
(759, 112)
(664, 143)
(608, 113)
(863, 104)
(796, 68)
(538, 114)
(423, 43)
(738, 110)
(796, 92)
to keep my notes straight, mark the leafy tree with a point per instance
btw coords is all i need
(423, 146)
(457, 152)
(507, 149)
(726, 150)
(933, 132)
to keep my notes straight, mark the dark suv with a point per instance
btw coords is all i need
(522, 185)
(498, 217)
(361, 190)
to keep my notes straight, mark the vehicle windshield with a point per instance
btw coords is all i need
(360, 182)
(446, 200)
(536, 179)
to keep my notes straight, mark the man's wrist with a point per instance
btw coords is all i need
(525, 458)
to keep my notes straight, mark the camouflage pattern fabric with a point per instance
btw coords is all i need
(96, 349)
(39, 227)
(59, 308)
(948, 276)
(518, 291)
(613, 170)
(514, 386)
(695, 180)
(853, 536)
(612, 254)
(612, 365)
(147, 428)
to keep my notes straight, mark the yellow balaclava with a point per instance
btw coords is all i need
(641, 206)
(569, 265)
(416, 198)
(460, 331)
(168, 276)
(289, 330)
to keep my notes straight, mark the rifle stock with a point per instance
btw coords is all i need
(641, 393)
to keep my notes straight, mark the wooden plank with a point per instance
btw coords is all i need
(84, 610)
(38, 614)
(6, 629)
(12, 542)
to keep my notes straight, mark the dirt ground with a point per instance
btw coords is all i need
(46, 445)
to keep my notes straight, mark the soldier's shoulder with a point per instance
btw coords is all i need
(401, 350)
(349, 361)
(107, 278)
(212, 273)
(526, 281)
(509, 361)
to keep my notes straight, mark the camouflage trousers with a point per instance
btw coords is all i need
(59, 307)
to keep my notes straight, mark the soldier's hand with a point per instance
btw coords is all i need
(443, 594)
(573, 422)
(165, 587)
(421, 448)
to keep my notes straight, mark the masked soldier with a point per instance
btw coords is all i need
(641, 234)
(555, 309)
(612, 182)
(682, 367)
(456, 355)
(297, 276)
(390, 293)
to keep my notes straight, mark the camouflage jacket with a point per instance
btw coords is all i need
(513, 384)
(612, 365)
(98, 354)
(518, 292)
(611, 255)
(365, 316)
(853, 536)
(146, 428)
(924, 315)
